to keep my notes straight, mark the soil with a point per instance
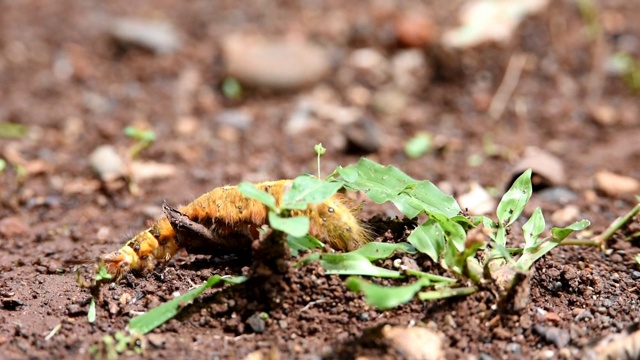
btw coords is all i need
(75, 87)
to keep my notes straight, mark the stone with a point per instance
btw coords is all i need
(280, 64)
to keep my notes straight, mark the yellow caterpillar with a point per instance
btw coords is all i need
(230, 219)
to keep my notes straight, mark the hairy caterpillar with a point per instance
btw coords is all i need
(226, 219)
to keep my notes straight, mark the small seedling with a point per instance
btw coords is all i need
(111, 347)
(143, 138)
(11, 130)
(91, 314)
(232, 89)
(102, 274)
(320, 150)
(418, 145)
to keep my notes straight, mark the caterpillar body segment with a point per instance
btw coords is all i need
(225, 218)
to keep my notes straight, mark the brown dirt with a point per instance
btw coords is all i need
(59, 216)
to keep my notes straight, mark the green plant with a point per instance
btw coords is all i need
(232, 89)
(11, 130)
(111, 347)
(418, 145)
(445, 237)
(143, 138)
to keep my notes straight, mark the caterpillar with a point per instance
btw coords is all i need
(226, 219)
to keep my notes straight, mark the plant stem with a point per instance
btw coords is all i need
(576, 242)
(432, 277)
(615, 226)
(446, 293)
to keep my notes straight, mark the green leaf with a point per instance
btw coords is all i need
(249, 190)
(231, 88)
(297, 226)
(353, 264)
(418, 145)
(428, 238)
(531, 254)
(387, 183)
(102, 273)
(349, 175)
(306, 190)
(453, 231)
(157, 316)
(562, 233)
(306, 242)
(433, 200)
(515, 199)
(533, 228)
(91, 314)
(465, 222)
(377, 250)
(385, 297)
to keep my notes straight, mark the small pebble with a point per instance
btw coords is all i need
(107, 163)
(616, 258)
(584, 314)
(275, 63)
(559, 337)
(616, 185)
(363, 136)
(635, 274)
(256, 323)
(156, 35)
(156, 340)
(236, 118)
(514, 348)
(12, 226)
(75, 310)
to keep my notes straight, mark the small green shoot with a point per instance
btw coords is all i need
(418, 145)
(629, 68)
(320, 150)
(91, 314)
(3, 165)
(637, 259)
(111, 347)
(11, 130)
(155, 317)
(143, 138)
(102, 274)
(231, 89)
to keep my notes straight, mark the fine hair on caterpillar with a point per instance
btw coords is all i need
(225, 219)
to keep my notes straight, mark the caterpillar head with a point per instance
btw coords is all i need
(135, 255)
(120, 262)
